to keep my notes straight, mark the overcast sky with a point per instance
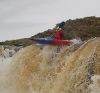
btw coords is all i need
(24, 18)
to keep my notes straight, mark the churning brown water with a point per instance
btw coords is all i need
(33, 70)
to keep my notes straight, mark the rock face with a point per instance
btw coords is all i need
(74, 69)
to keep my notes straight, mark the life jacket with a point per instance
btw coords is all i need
(59, 34)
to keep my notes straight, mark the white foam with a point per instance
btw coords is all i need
(95, 86)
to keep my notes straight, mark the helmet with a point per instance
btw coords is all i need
(63, 22)
(61, 25)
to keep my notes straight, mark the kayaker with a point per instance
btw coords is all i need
(59, 32)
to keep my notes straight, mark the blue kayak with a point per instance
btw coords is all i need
(43, 40)
(51, 41)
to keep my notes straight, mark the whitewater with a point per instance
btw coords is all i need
(75, 69)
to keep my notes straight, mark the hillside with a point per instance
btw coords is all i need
(19, 42)
(72, 70)
(84, 28)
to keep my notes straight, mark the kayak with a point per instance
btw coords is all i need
(51, 41)
(42, 40)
